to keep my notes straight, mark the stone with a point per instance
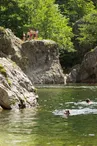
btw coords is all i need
(23, 64)
(16, 90)
(42, 64)
(86, 72)
(88, 68)
(72, 76)
(39, 59)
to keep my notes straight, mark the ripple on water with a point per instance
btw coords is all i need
(82, 108)
(74, 112)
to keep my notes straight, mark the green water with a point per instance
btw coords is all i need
(40, 127)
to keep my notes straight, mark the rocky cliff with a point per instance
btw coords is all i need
(39, 59)
(16, 90)
(42, 62)
(23, 64)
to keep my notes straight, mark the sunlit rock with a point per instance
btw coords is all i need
(39, 59)
(16, 90)
(25, 64)
(42, 62)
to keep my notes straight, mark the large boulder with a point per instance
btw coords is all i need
(88, 68)
(39, 59)
(10, 45)
(23, 64)
(42, 62)
(86, 72)
(16, 90)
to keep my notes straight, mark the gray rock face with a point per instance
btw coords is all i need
(88, 68)
(86, 72)
(22, 64)
(16, 90)
(72, 76)
(42, 62)
(38, 59)
(10, 45)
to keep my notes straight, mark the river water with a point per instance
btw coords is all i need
(47, 125)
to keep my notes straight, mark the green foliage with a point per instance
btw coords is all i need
(2, 29)
(20, 15)
(3, 72)
(53, 19)
(95, 3)
(76, 9)
(88, 30)
(11, 16)
(45, 16)
(9, 82)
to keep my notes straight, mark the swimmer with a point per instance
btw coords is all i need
(67, 113)
(88, 101)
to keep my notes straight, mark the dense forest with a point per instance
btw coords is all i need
(71, 23)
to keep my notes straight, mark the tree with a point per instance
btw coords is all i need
(10, 15)
(75, 9)
(88, 30)
(51, 24)
(95, 3)
(19, 15)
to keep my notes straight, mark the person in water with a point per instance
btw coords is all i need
(67, 113)
(88, 100)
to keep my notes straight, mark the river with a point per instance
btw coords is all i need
(46, 125)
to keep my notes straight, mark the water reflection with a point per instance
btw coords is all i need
(17, 127)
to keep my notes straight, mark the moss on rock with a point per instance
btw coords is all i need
(3, 71)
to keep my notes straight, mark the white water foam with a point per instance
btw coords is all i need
(74, 112)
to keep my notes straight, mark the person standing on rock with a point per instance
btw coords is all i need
(28, 35)
(24, 37)
(36, 34)
(31, 33)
